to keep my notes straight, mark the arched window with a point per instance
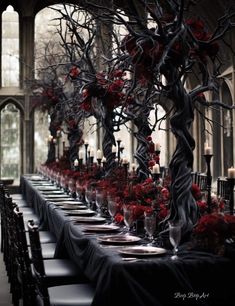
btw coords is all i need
(10, 48)
(10, 141)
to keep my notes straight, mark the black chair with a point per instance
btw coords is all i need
(57, 271)
(223, 188)
(202, 181)
(4, 194)
(223, 191)
(55, 292)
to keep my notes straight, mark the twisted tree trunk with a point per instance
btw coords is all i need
(74, 137)
(183, 206)
(142, 150)
(107, 143)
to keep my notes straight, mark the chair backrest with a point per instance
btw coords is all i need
(21, 241)
(22, 260)
(223, 188)
(202, 181)
(36, 250)
(37, 260)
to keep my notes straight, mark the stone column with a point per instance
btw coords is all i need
(26, 33)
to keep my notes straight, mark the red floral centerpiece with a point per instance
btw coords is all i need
(212, 231)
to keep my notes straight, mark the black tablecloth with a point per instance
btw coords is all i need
(197, 278)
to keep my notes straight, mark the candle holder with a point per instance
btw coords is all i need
(157, 153)
(119, 151)
(208, 180)
(80, 161)
(91, 160)
(104, 165)
(99, 161)
(156, 177)
(76, 168)
(86, 155)
(231, 182)
(125, 166)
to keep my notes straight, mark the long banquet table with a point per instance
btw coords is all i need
(196, 278)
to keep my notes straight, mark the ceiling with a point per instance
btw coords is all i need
(209, 10)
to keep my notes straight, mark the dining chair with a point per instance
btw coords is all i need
(57, 291)
(57, 271)
(202, 181)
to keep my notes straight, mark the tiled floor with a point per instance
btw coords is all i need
(5, 296)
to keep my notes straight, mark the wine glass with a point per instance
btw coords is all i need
(175, 236)
(150, 226)
(128, 216)
(90, 196)
(112, 207)
(99, 200)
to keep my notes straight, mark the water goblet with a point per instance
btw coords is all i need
(112, 207)
(99, 200)
(128, 216)
(90, 196)
(175, 236)
(150, 226)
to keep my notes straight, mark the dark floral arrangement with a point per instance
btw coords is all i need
(108, 88)
(212, 231)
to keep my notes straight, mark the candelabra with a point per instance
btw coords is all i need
(208, 179)
(231, 182)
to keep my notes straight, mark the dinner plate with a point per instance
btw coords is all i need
(120, 239)
(72, 202)
(142, 251)
(101, 228)
(49, 192)
(47, 188)
(85, 212)
(72, 206)
(36, 178)
(64, 196)
(88, 219)
(54, 199)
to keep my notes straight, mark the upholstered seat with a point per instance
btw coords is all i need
(61, 272)
(45, 237)
(71, 295)
(48, 250)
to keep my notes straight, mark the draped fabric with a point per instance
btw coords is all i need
(197, 278)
